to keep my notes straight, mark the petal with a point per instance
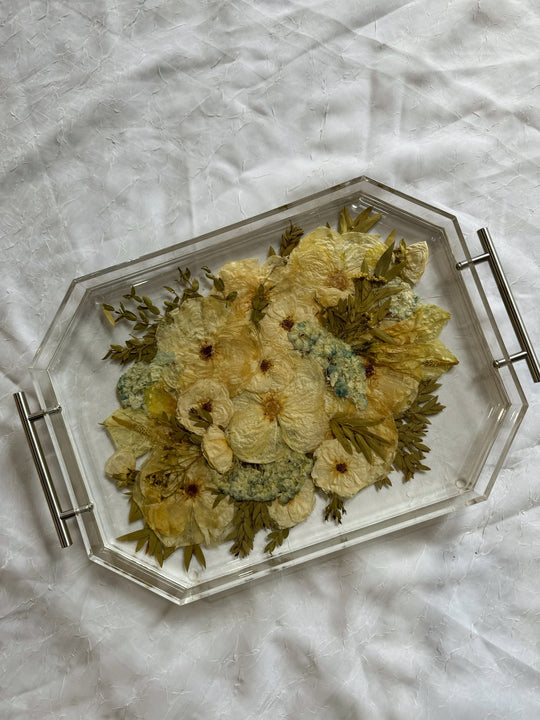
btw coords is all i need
(303, 421)
(416, 256)
(214, 522)
(296, 510)
(216, 449)
(424, 325)
(129, 430)
(120, 462)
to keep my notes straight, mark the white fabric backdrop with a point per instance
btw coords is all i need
(127, 126)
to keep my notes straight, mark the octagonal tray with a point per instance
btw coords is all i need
(469, 440)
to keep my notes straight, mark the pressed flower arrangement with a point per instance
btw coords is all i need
(311, 372)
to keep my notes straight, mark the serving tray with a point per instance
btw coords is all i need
(469, 440)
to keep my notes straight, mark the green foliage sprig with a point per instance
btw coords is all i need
(154, 546)
(353, 433)
(335, 508)
(354, 319)
(259, 303)
(276, 539)
(362, 223)
(412, 428)
(250, 517)
(290, 239)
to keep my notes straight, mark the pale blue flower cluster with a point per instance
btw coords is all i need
(281, 479)
(141, 375)
(344, 370)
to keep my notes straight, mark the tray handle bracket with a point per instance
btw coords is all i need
(58, 515)
(527, 351)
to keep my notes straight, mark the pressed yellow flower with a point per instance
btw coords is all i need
(415, 258)
(188, 515)
(163, 470)
(245, 276)
(263, 424)
(296, 510)
(209, 342)
(208, 395)
(325, 262)
(344, 473)
(417, 350)
(388, 390)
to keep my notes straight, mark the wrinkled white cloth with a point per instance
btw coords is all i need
(127, 126)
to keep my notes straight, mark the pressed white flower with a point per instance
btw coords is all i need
(296, 510)
(208, 395)
(275, 369)
(216, 449)
(188, 515)
(293, 416)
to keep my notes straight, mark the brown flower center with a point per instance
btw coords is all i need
(271, 406)
(287, 323)
(206, 351)
(370, 370)
(265, 365)
(338, 279)
(341, 467)
(192, 490)
(207, 406)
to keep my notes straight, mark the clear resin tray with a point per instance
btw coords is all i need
(469, 440)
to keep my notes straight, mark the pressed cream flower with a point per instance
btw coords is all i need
(120, 464)
(338, 471)
(210, 396)
(264, 424)
(208, 341)
(286, 308)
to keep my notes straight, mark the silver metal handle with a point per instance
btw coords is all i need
(527, 351)
(58, 515)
